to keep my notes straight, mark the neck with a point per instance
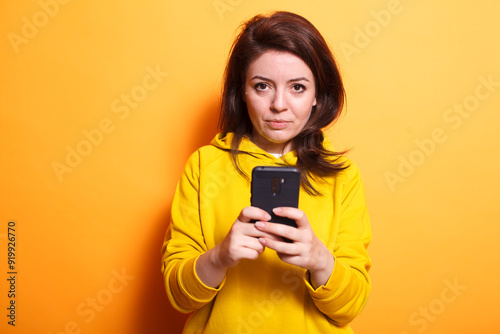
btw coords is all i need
(273, 148)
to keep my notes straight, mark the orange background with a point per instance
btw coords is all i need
(92, 145)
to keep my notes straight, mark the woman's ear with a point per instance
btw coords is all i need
(244, 97)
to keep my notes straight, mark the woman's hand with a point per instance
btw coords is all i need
(306, 250)
(241, 242)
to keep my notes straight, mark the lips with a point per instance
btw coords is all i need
(278, 124)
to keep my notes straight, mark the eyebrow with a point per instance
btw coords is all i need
(291, 80)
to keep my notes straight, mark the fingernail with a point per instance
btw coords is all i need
(277, 210)
(260, 225)
(268, 216)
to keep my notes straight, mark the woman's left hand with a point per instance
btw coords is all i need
(306, 250)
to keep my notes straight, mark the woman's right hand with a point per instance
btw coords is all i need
(241, 242)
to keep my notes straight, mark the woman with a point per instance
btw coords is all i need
(222, 259)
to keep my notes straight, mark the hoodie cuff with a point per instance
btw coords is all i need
(192, 285)
(333, 287)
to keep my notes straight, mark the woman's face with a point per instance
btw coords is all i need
(280, 92)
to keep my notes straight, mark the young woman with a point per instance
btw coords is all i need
(222, 258)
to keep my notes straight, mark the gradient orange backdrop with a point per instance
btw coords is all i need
(101, 103)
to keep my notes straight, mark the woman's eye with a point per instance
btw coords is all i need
(261, 86)
(298, 88)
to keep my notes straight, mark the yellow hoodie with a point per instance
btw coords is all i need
(265, 295)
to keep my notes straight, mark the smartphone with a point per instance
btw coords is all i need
(275, 186)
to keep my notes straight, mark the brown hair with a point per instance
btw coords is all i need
(287, 32)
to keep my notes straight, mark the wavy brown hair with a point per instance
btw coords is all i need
(286, 32)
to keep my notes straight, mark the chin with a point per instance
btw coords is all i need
(279, 139)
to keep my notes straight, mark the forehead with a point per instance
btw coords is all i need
(278, 63)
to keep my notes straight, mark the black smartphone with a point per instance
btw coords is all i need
(275, 186)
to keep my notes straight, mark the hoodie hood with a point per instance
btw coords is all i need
(223, 141)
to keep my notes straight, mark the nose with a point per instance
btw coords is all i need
(279, 103)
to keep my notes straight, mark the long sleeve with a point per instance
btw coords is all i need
(265, 295)
(345, 294)
(184, 243)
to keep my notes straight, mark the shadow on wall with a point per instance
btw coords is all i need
(206, 127)
(154, 312)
